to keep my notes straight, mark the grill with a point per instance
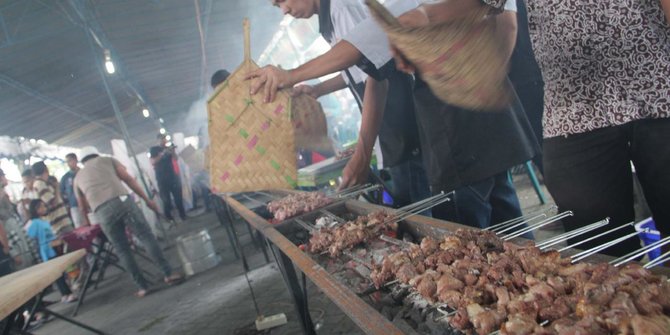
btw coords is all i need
(395, 308)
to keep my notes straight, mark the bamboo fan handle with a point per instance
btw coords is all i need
(247, 39)
(384, 17)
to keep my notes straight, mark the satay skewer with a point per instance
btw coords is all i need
(576, 244)
(589, 252)
(658, 261)
(638, 253)
(527, 217)
(538, 225)
(571, 234)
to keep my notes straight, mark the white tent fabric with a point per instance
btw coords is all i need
(22, 148)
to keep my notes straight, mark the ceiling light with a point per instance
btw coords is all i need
(109, 65)
(160, 120)
(168, 137)
(162, 131)
(145, 112)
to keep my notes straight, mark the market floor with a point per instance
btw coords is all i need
(217, 301)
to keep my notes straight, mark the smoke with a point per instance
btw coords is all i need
(195, 121)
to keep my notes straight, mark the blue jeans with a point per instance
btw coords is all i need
(410, 183)
(115, 215)
(481, 204)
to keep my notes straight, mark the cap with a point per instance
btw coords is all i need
(88, 151)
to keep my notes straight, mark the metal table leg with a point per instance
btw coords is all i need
(298, 294)
(72, 321)
(223, 220)
(10, 322)
(89, 275)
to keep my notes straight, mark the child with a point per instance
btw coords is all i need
(40, 230)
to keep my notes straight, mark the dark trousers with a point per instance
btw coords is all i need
(481, 204)
(172, 188)
(410, 182)
(62, 286)
(590, 174)
(115, 216)
(531, 95)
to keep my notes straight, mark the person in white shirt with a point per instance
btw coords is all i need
(386, 102)
(456, 155)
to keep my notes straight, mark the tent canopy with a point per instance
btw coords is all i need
(164, 52)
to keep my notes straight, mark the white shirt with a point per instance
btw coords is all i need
(352, 22)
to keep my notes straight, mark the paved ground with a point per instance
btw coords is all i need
(217, 301)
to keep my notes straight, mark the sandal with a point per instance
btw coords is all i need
(141, 293)
(174, 279)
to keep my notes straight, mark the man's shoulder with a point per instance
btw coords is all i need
(345, 5)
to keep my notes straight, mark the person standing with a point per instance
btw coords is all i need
(67, 191)
(169, 181)
(606, 67)
(6, 209)
(40, 230)
(100, 189)
(465, 151)
(57, 210)
(384, 94)
(28, 193)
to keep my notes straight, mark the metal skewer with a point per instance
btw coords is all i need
(419, 207)
(355, 189)
(527, 217)
(586, 253)
(515, 224)
(358, 259)
(254, 200)
(305, 225)
(658, 261)
(537, 225)
(271, 196)
(395, 241)
(332, 216)
(568, 235)
(595, 237)
(636, 254)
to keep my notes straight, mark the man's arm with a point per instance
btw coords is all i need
(329, 86)
(271, 78)
(82, 205)
(357, 169)
(123, 174)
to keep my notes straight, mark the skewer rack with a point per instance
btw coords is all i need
(284, 239)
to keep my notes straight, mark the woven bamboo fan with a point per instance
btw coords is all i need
(252, 144)
(461, 61)
(309, 122)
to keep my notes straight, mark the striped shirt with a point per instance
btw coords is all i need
(56, 209)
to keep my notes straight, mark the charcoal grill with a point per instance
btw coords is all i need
(285, 239)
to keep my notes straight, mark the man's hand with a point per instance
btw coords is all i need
(356, 171)
(401, 62)
(18, 260)
(271, 79)
(304, 89)
(152, 205)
